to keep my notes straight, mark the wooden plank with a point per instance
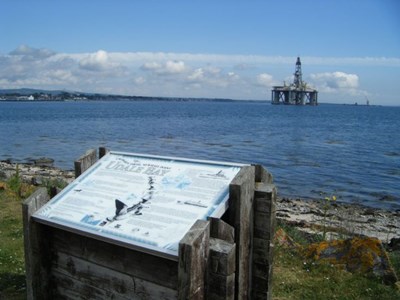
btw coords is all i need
(241, 194)
(221, 287)
(193, 255)
(36, 247)
(264, 222)
(264, 210)
(262, 282)
(221, 270)
(103, 151)
(262, 251)
(262, 175)
(221, 230)
(85, 162)
(262, 271)
(264, 227)
(108, 280)
(70, 288)
(141, 265)
(265, 206)
(265, 190)
(222, 257)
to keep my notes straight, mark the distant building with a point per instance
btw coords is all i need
(297, 93)
(25, 98)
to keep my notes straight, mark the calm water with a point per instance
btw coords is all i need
(352, 151)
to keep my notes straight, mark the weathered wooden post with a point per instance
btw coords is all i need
(241, 194)
(221, 261)
(36, 248)
(85, 162)
(264, 228)
(102, 151)
(193, 255)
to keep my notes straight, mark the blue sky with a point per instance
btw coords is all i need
(350, 49)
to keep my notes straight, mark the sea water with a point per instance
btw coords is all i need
(350, 151)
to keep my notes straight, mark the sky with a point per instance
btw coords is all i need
(349, 49)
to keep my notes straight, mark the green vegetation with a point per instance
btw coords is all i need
(15, 183)
(12, 268)
(298, 278)
(52, 184)
(327, 204)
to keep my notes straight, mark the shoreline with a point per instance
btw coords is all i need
(36, 172)
(311, 216)
(339, 220)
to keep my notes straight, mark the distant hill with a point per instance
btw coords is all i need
(62, 95)
(26, 91)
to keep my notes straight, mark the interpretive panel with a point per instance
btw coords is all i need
(145, 202)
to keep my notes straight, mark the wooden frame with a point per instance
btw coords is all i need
(219, 258)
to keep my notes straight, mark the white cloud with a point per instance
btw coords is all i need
(151, 66)
(98, 61)
(31, 53)
(174, 67)
(265, 80)
(204, 74)
(197, 75)
(139, 80)
(233, 76)
(167, 68)
(335, 81)
(251, 61)
(179, 74)
(210, 76)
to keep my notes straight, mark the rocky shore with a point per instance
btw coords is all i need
(312, 216)
(35, 172)
(339, 220)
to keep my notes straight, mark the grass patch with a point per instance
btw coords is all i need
(394, 257)
(12, 265)
(51, 184)
(298, 278)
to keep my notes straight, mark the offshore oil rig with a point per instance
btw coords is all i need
(297, 93)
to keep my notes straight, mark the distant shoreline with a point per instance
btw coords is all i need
(33, 95)
(140, 99)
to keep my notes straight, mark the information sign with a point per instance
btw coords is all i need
(143, 202)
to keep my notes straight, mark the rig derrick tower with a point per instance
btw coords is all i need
(297, 93)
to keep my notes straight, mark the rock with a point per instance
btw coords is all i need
(347, 219)
(37, 180)
(394, 244)
(37, 175)
(360, 255)
(3, 175)
(387, 198)
(282, 215)
(44, 162)
(369, 211)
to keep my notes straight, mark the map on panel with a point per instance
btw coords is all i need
(145, 201)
